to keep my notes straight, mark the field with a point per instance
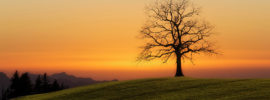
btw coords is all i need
(166, 89)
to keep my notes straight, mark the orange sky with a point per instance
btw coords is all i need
(97, 38)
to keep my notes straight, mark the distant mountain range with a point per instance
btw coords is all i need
(62, 78)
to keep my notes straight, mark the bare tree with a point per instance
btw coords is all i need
(173, 30)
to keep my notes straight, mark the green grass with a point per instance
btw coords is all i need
(166, 89)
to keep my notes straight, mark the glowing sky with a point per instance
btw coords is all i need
(97, 38)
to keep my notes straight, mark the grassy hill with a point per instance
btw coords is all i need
(166, 89)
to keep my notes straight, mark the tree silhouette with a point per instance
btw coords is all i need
(21, 86)
(15, 85)
(38, 84)
(55, 86)
(25, 84)
(45, 83)
(173, 30)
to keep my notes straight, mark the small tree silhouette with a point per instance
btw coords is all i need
(21, 86)
(172, 30)
(15, 85)
(45, 83)
(55, 86)
(25, 84)
(38, 84)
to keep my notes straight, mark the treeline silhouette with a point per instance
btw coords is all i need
(21, 86)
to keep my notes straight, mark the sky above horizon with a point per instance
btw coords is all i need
(97, 38)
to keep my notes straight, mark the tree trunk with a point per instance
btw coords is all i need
(179, 72)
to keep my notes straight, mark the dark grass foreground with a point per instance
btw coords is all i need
(166, 89)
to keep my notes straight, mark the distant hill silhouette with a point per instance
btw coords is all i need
(67, 80)
(73, 81)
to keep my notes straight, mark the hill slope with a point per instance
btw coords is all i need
(166, 89)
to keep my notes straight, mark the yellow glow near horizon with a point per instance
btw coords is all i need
(99, 37)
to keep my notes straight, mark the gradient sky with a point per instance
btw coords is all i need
(97, 38)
